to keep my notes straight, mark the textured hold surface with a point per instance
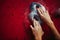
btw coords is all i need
(34, 13)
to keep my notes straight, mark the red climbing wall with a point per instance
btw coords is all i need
(14, 24)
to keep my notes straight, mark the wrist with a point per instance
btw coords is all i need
(50, 23)
(38, 38)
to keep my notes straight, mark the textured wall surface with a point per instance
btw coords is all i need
(14, 23)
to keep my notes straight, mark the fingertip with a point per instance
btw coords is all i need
(34, 20)
(31, 26)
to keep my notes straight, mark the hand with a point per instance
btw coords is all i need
(37, 30)
(45, 16)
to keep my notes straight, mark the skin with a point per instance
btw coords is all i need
(37, 30)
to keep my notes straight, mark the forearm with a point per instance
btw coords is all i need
(54, 30)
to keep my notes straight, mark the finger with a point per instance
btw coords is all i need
(41, 10)
(40, 13)
(36, 24)
(33, 30)
(31, 27)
